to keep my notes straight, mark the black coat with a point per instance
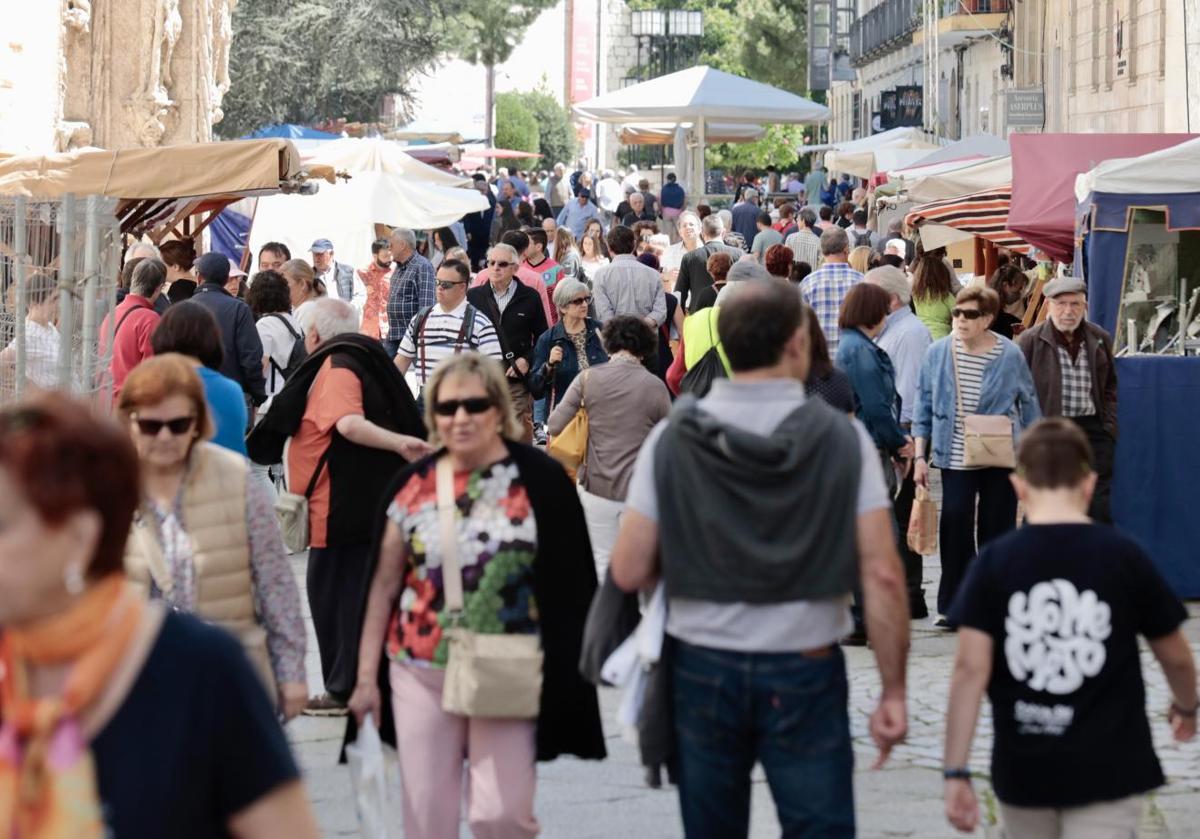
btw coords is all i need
(693, 272)
(521, 324)
(358, 475)
(564, 582)
(243, 350)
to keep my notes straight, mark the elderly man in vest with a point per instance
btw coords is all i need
(339, 278)
(350, 424)
(1072, 365)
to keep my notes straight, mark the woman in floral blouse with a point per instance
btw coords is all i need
(526, 568)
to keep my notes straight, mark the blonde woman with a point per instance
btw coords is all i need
(592, 257)
(303, 285)
(526, 567)
(860, 259)
(567, 253)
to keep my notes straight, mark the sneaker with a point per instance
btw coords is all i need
(941, 623)
(324, 706)
(539, 435)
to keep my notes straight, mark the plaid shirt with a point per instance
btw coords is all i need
(824, 290)
(806, 247)
(412, 289)
(1076, 384)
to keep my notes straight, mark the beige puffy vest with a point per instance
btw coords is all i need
(214, 514)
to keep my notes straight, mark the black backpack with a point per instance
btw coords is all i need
(295, 358)
(700, 376)
(861, 239)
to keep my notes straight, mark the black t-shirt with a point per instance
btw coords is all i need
(195, 742)
(1064, 604)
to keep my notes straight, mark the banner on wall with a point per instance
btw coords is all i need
(581, 72)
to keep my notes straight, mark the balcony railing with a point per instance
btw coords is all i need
(886, 27)
(974, 7)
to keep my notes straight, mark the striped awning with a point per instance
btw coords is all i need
(983, 214)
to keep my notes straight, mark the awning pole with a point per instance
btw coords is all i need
(698, 168)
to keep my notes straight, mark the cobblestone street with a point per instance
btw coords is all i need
(594, 800)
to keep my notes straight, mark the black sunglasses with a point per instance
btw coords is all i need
(474, 405)
(969, 314)
(587, 301)
(446, 285)
(494, 264)
(177, 426)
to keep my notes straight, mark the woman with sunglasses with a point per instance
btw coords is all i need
(568, 347)
(205, 539)
(994, 380)
(525, 564)
(119, 717)
(623, 401)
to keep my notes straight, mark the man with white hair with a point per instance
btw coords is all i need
(558, 189)
(905, 339)
(609, 195)
(412, 287)
(693, 275)
(352, 425)
(142, 250)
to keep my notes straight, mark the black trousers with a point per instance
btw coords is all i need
(1103, 450)
(913, 562)
(337, 582)
(962, 531)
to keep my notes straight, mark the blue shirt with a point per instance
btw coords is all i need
(824, 290)
(745, 220)
(673, 196)
(575, 217)
(905, 339)
(228, 409)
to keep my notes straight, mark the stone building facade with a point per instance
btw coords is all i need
(618, 63)
(114, 73)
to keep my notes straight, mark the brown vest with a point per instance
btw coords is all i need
(214, 514)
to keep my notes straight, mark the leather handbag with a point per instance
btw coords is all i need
(292, 511)
(487, 675)
(569, 446)
(987, 438)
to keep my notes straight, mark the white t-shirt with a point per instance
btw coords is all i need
(277, 344)
(41, 354)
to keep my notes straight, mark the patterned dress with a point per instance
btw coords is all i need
(497, 542)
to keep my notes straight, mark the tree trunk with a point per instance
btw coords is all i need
(489, 106)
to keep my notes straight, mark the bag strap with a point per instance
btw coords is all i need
(312, 483)
(279, 316)
(125, 317)
(419, 339)
(448, 536)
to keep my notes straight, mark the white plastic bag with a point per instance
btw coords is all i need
(368, 778)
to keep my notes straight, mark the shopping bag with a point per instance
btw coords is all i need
(368, 779)
(923, 524)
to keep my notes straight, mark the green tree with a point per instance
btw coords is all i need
(778, 146)
(486, 33)
(557, 142)
(308, 60)
(516, 127)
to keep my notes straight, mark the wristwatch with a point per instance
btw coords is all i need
(957, 773)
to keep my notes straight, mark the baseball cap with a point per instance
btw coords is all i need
(321, 246)
(213, 268)
(235, 270)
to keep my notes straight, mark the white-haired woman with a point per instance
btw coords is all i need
(521, 546)
(570, 346)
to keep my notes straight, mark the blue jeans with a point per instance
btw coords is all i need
(541, 410)
(786, 711)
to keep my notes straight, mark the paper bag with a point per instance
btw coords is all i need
(923, 524)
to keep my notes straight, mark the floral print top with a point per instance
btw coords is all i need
(497, 541)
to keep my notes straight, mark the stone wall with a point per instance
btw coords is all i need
(618, 58)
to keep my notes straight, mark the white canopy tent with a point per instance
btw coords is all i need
(952, 179)
(703, 96)
(663, 133)
(975, 147)
(1164, 172)
(879, 152)
(386, 186)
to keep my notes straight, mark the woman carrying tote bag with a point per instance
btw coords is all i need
(459, 616)
(974, 391)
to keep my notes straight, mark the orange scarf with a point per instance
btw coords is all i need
(47, 775)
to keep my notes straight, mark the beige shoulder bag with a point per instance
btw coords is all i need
(489, 676)
(987, 438)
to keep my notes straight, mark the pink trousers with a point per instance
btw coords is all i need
(499, 764)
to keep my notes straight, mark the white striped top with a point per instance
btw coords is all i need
(970, 378)
(439, 339)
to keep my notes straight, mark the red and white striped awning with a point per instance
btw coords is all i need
(983, 214)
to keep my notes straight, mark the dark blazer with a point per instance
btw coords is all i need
(1041, 353)
(564, 582)
(541, 380)
(523, 321)
(693, 271)
(239, 339)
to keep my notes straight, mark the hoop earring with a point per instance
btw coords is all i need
(73, 580)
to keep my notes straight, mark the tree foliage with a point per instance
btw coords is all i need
(516, 127)
(486, 32)
(308, 60)
(557, 141)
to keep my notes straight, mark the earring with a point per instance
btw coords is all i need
(73, 578)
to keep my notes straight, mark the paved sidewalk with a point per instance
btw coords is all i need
(589, 800)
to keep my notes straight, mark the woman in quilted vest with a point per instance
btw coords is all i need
(205, 538)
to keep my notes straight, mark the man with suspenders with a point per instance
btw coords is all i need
(446, 328)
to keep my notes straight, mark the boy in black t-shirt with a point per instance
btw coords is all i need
(1048, 620)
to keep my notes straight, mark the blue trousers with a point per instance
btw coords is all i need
(786, 711)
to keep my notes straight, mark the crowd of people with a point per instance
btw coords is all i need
(763, 391)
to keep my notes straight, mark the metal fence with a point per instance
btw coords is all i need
(59, 262)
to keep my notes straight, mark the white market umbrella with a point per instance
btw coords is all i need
(701, 95)
(374, 154)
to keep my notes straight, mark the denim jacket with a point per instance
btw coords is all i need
(541, 382)
(1007, 390)
(874, 380)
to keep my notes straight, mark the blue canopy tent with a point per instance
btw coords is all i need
(291, 132)
(1126, 206)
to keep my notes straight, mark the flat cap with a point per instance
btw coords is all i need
(1064, 285)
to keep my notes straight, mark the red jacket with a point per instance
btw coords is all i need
(378, 281)
(135, 320)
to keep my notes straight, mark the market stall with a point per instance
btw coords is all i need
(1137, 224)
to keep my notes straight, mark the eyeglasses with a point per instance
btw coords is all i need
(586, 301)
(153, 427)
(446, 285)
(494, 264)
(473, 405)
(969, 314)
